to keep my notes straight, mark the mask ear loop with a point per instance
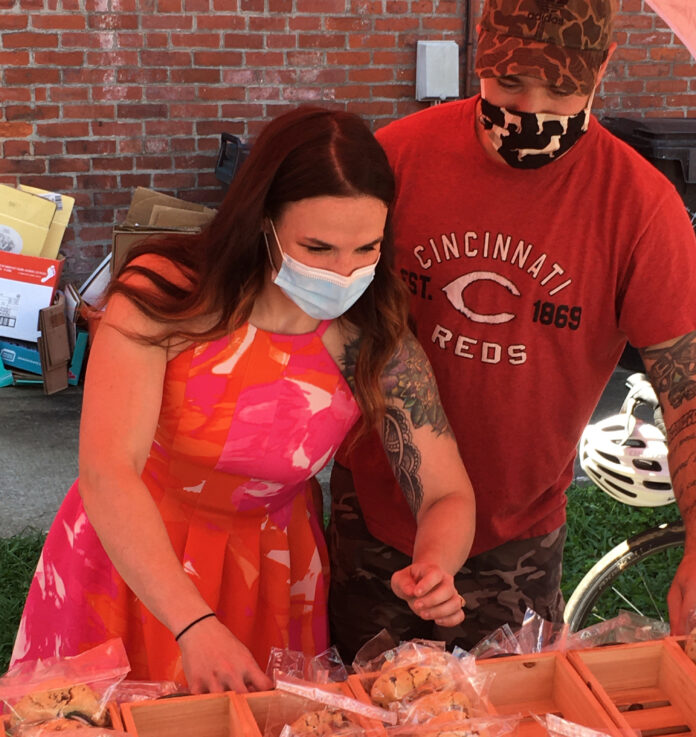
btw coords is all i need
(588, 109)
(274, 271)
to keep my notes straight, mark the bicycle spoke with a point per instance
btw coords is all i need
(648, 591)
(627, 601)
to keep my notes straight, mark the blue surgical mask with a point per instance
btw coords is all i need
(322, 294)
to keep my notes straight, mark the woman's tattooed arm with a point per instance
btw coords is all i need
(413, 402)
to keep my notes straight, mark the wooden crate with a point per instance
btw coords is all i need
(360, 686)
(543, 683)
(679, 641)
(648, 687)
(203, 715)
(266, 712)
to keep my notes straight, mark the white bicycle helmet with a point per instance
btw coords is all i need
(627, 457)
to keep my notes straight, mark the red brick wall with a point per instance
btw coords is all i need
(100, 96)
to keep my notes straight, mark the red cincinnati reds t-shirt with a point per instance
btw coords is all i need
(524, 287)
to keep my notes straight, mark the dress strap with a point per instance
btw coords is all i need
(322, 327)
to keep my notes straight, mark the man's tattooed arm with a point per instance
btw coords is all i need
(672, 372)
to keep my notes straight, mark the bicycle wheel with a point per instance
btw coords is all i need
(640, 568)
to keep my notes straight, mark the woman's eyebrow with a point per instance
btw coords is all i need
(317, 242)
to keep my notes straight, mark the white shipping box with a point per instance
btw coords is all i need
(27, 285)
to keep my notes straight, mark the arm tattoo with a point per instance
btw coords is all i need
(408, 377)
(404, 457)
(349, 361)
(673, 370)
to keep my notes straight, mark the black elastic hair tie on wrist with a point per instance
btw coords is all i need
(195, 621)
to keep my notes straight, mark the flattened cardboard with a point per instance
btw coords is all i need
(173, 217)
(25, 220)
(61, 218)
(153, 213)
(54, 331)
(27, 283)
(54, 346)
(144, 200)
(55, 378)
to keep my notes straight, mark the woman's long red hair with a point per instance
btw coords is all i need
(308, 152)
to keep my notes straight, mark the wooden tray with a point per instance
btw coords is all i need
(648, 687)
(204, 715)
(543, 683)
(266, 712)
(679, 641)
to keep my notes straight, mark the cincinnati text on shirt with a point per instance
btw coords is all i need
(496, 247)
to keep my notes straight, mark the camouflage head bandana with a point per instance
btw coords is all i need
(561, 41)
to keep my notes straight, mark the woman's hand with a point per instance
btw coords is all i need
(430, 593)
(215, 660)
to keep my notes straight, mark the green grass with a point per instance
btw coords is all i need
(595, 524)
(18, 558)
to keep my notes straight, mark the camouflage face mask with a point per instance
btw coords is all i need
(532, 140)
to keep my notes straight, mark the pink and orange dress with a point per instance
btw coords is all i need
(246, 421)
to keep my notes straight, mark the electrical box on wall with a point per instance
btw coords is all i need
(437, 70)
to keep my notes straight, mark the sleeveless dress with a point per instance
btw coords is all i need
(246, 421)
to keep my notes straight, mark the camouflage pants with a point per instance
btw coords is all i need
(498, 585)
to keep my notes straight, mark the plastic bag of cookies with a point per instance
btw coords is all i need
(451, 725)
(56, 694)
(420, 679)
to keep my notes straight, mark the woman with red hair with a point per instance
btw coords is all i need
(228, 368)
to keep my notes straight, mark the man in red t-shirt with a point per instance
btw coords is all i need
(534, 244)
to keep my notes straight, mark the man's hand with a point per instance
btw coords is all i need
(215, 660)
(430, 593)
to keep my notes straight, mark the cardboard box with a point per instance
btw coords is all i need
(27, 284)
(61, 218)
(24, 360)
(25, 220)
(153, 213)
(21, 356)
(5, 375)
